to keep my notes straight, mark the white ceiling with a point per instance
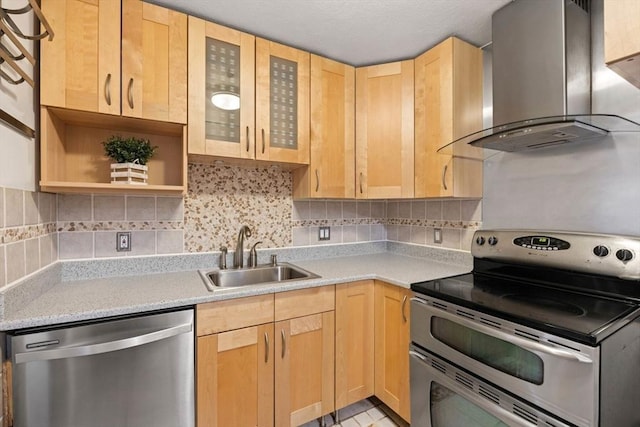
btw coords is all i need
(358, 32)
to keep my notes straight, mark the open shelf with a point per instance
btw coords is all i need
(73, 160)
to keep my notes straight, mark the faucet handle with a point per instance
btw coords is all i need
(253, 255)
(223, 258)
(274, 260)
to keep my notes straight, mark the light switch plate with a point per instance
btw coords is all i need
(324, 233)
(437, 235)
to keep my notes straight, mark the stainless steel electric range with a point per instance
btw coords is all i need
(545, 331)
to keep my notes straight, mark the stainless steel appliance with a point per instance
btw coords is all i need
(541, 72)
(129, 372)
(550, 320)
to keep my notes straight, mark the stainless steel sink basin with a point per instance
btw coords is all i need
(217, 279)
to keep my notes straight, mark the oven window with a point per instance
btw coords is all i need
(499, 354)
(449, 409)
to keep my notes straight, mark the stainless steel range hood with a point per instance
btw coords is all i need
(542, 78)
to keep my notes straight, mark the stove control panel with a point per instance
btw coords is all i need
(609, 255)
(541, 243)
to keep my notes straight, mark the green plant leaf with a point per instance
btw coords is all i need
(128, 150)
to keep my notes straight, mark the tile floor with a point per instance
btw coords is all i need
(366, 413)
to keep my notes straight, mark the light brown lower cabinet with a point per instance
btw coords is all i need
(392, 347)
(305, 330)
(235, 378)
(304, 368)
(253, 373)
(234, 362)
(354, 342)
(292, 357)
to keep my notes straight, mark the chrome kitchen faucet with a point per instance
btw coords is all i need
(238, 255)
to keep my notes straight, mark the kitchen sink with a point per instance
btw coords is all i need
(283, 272)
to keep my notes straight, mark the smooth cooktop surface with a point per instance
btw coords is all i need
(574, 315)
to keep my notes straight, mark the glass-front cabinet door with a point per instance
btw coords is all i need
(221, 91)
(282, 103)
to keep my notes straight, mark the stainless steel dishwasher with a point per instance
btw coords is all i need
(128, 372)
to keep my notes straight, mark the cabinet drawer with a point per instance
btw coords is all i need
(304, 302)
(220, 316)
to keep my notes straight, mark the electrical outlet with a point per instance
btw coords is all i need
(123, 241)
(437, 235)
(324, 233)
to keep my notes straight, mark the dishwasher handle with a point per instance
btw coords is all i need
(105, 347)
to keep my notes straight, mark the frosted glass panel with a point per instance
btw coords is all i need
(222, 76)
(284, 103)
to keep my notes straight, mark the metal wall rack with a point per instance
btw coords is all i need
(13, 52)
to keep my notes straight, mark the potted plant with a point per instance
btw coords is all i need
(130, 155)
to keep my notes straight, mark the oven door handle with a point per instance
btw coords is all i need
(493, 409)
(513, 339)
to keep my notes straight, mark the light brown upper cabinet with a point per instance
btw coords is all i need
(248, 97)
(384, 131)
(221, 68)
(282, 103)
(154, 62)
(84, 71)
(332, 161)
(81, 67)
(622, 38)
(448, 106)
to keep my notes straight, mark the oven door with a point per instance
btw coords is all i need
(556, 374)
(444, 396)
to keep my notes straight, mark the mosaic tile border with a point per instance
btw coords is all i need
(17, 234)
(434, 223)
(391, 221)
(119, 226)
(337, 222)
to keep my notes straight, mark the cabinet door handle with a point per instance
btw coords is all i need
(130, 93)
(107, 89)
(284, 343)
(404, 304)
(444, 177)
(360, 182)
(263, 141)
(247, 139)
(317, 181)
(266, 347)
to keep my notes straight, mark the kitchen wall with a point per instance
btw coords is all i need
(221, 198)
(589, 186)
(18, 162)
(414, 222)
(28, 239)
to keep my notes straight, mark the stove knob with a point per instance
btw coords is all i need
(624, 255)
(480, 240)
(601, 251)
(493, 240)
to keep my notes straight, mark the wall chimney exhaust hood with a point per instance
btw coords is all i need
(542, 79)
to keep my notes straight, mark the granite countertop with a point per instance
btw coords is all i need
(76, 300)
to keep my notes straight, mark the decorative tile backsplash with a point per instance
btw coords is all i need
(87, 225)
(221, 199)
(28, 238)
(414, 221)
(39, 228)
